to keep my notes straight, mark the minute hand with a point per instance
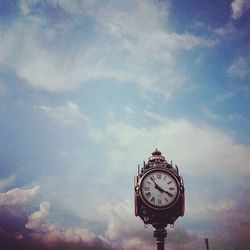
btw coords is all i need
(157, 186)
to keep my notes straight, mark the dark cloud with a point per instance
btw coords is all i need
(26, 242)
(181, 236)
(13, 209)
(19, 230)
(233, 223)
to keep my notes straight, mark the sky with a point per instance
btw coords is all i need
(90, 88)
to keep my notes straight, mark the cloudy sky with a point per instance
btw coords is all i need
(89, 88)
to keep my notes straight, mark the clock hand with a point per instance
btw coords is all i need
(166, 192)
(157, 186)
(160, 189)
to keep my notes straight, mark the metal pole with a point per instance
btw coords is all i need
(160, 234)
(207, 245)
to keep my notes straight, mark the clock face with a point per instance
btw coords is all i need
(159, 189)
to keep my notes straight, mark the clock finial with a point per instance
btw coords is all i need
(156, 152)
(156, 155)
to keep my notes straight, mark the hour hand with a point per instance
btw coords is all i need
(169, 194)
(160, 189)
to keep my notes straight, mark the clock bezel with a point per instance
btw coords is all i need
(144, 199)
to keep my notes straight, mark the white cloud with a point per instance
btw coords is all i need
(17, 196)
(130, 42)
(145, 33)
(226, 30)
(222, 117)
(124, 229)
(37, 219)
(63, 115)
(207, 111)
(52, 233)
(197, 148)
(240, 67)
(239, 7)
(120, 218)
(37, 229)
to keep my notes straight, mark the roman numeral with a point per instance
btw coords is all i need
(158, 176)
(170, 195)
(153, 199)
(146, 188)
(149, 182)
(169, 182)
(159, 202)
(148, 194)
(171, 188)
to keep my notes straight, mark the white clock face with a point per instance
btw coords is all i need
(159, 189)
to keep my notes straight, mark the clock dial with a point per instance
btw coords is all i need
(159, 189)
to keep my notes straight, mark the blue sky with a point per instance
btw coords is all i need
(88, 89)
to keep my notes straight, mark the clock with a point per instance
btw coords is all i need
(159, 189)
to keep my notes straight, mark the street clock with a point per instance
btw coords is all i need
(159, 194)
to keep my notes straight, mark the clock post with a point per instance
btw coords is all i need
(159, 195)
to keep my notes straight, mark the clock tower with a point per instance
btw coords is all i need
(159, 195)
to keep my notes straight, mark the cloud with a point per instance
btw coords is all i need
(134, 44)
(239, 7)
(225, 117)
(239, 68)
(233, 223)
(145, 33)
(52, 234)
(37, 219)
(17, 231)
(121, 220)
(227, 30)
(17, 196)
(14, 207)
(238, 228)
(63, 115)
(210, 114)
(197, 148)
(124, 231)
(127, 232)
